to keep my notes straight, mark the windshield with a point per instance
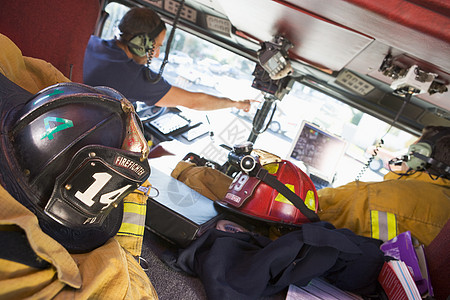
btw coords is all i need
(200, 66)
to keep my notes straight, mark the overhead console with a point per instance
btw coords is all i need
(365, 53)
(385, 47)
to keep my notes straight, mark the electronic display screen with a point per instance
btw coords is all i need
(318, 150)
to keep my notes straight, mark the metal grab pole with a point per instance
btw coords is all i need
(259, 121)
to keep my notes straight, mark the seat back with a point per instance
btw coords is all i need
(56, 31)
(438, 261)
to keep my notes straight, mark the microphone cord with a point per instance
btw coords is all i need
(166, 56)
(381, 142)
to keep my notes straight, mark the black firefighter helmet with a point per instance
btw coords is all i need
(75, 152)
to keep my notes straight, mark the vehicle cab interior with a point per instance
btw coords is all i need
(342, 88)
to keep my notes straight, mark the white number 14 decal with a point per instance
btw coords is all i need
(101, 179)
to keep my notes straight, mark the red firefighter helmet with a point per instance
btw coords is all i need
(251, 196)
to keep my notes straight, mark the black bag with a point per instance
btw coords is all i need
(178, 213)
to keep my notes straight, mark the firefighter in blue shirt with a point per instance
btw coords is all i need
(121, 64)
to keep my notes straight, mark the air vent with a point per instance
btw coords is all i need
(187, 12)
(354, 83)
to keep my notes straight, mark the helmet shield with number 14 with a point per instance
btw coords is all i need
(77, 152)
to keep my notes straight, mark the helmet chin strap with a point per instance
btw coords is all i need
(295, 199)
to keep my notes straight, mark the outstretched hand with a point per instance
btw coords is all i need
(245, 105)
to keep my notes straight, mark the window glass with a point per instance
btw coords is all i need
(200, 66)
(115, 13)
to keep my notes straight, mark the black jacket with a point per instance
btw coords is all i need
(248, 266)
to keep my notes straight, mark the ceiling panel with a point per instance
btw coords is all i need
(316, 40)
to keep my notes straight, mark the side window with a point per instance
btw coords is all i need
(195, 64)
(115, 13)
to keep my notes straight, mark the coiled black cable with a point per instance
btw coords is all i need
(380, 144)
(166, 56)
(369, 161)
